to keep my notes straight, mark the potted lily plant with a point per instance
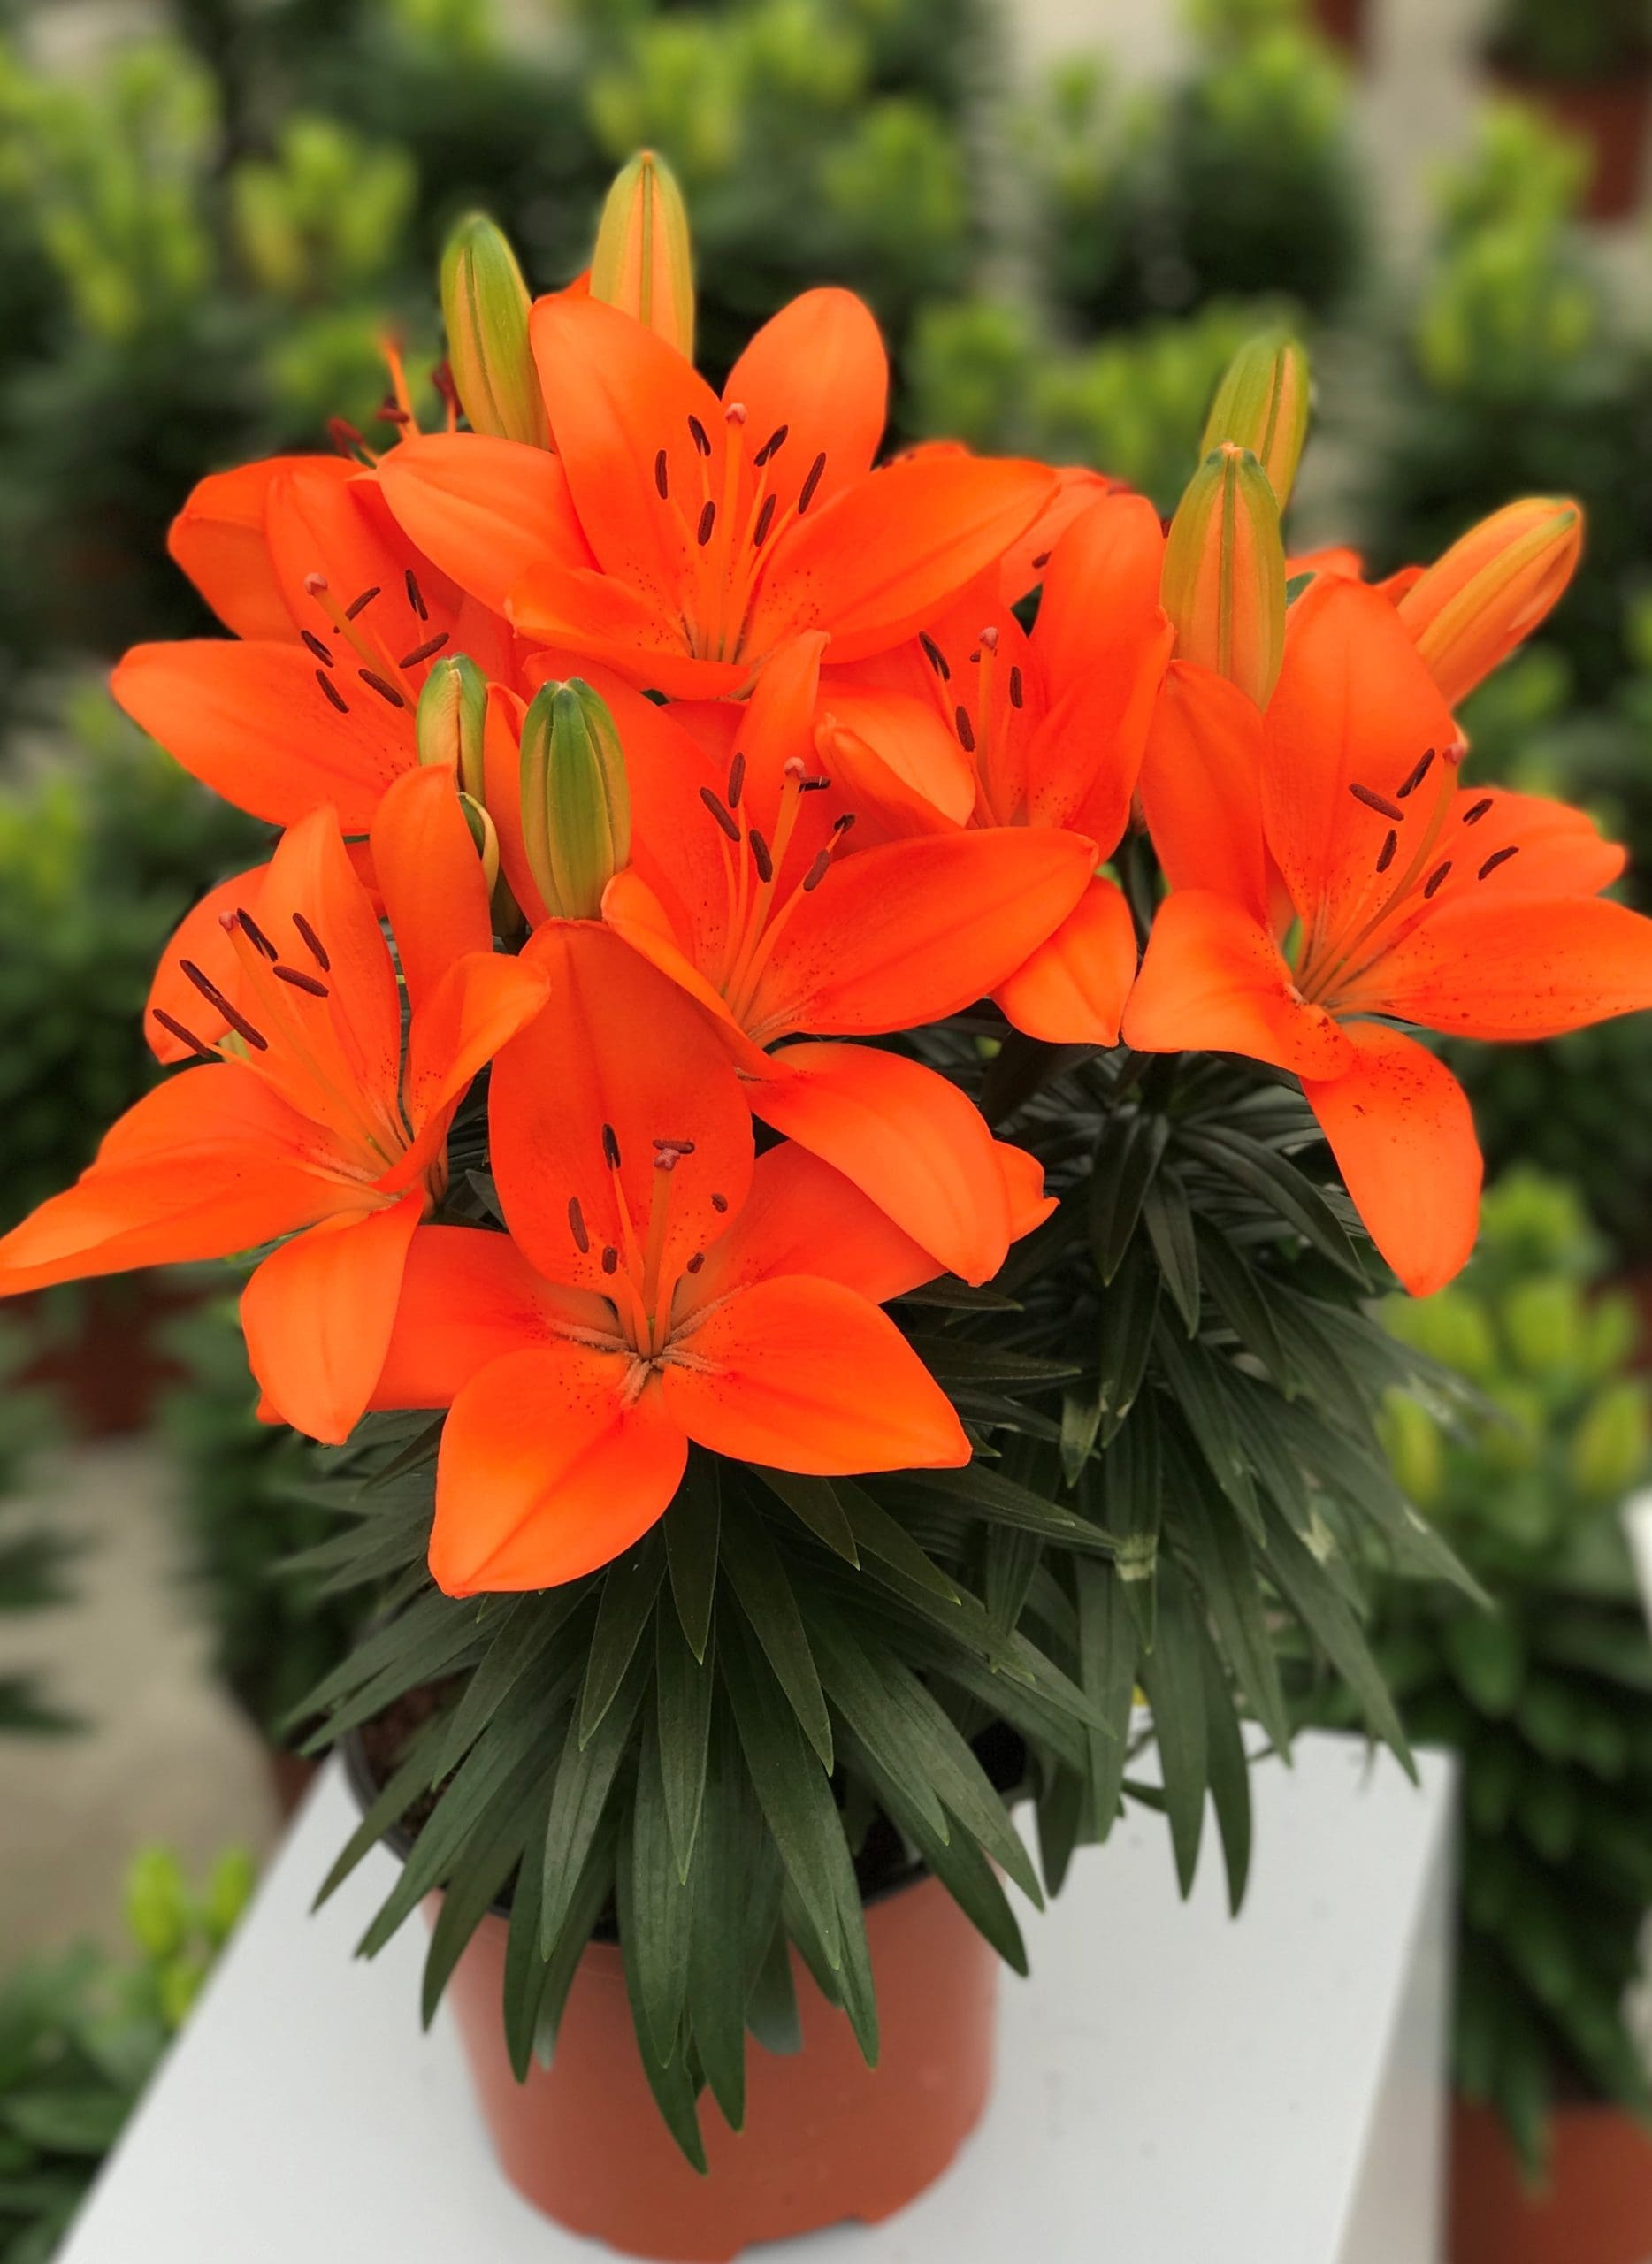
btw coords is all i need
(1590, 69)
(802, 1318)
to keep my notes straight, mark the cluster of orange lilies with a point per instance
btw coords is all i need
(682, 748)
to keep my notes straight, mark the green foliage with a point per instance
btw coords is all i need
(34, 1558)
(100, 855)
(241, 1490)
(82, 2035)
(1550, 40)
(1547, 1697)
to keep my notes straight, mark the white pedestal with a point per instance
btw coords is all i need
(1174, 2088)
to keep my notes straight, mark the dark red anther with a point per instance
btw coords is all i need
(662, 476)
(610, 1147)
(1425, 764)
(695, 1262)
(817, 872)
(1473, 816)
(816, 471)
(1498, 857)
(415, 596)
(576, 1225)
(300, 981)
(737, 780)
(231, 1013)
(761, 857)
(772, 446)
(1380, 803)
(255, 933)
(1385, 855)
(720, 1204)
(676, 1148)
(966, 730)
(316, 647)
(765, 520)
(185, 1037)
(376, 683)
(812, 785)
(1043, 559)
(707, 520)
(701, 436)
(360, 604)
(723, 817)
(441, 377)
(333, 692)
(934, 656)
(1016, 687)
(842, 825)
(312, 942)
(345, 438)
(610, 1258)
(425, 652)
(1436, 880)
(390, 411)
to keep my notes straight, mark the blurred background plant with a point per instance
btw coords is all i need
(1547, 1697)
(35, 1556)
(81, 2034)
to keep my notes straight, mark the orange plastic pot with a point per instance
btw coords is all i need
(825, 2136)
(1596, 2210)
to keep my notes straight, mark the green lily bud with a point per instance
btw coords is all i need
(1223, 581)
(575, 801)
(452, 719)
(1262, 404)
(643, 261)
(1609, 1450)
(484, 307)
(485, 834)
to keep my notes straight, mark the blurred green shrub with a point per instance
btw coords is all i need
(1239, 178)
(1547, 1697)
(1557, 38)
(101, 854)
(81, 2035)
(33, 1557)
(243, 1512)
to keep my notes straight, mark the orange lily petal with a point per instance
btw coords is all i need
(316, 1316)
(1023, 564)
(803, 1217)
(1101, 577)
(1201, 787)
(1213, 981)
(1024, 1189)
(1355, 707)
(803, 1374)
(219, 538)
(252, 723)
(548, 1471)
(1071, 990)
(477, 1008)
(502, 772)
(895, 755)
(468, 1297)
(208, 1164)
(200, 939)
(889, 549)
(484, 511)
(1403, 1134)
(906, 1137)
(617, 1044)
(595, 614)
(431, 877)
(1517, 967)
(818, 369)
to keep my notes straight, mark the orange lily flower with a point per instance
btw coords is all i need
(1411, 900)
(746, 888)
(339, 619)
(712, 530)
(655, 1288)
(316, 1120)
(1050, 730)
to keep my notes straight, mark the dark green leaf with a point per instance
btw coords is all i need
(628, 1588)
(1241, 1296)
(655, 1925)
(1107, 1661)
(1129, 1311)
(1127, 1158)
(669, 2079)
(816, 1501)
(584, 1778)
(1229, 1773)
(691, 1525)
(1280, 1187)
(1307, 1587)
(1172, 1678)
(683, 1692)
(759, 1580)
(1169, 1224)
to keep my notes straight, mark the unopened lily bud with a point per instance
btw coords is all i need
(485, 833)
(643, 263)
(1262, 405)
(1470, 609)
(575, 802)
(1223, 582)
(484, 309)
(451, 719)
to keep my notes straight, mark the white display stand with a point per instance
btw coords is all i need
(1172, 2088)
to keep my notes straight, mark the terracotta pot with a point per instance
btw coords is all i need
(1348, 22)
(1611, 115)
(1597, 2209)
(291, 1776)
(110, 1367)
(825, 2138)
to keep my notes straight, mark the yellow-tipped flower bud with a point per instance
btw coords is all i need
(484, 309)
(451, 719)
(643, 263)
(1488, 592)
(575, 802)
(1223, 582)
(1262, 405)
